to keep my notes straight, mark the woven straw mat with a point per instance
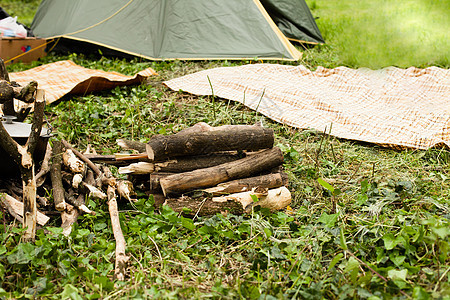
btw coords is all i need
(391, 107)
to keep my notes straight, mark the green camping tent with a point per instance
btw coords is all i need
(188, 29)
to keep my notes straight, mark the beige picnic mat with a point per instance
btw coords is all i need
(66, 77)
(391, 107)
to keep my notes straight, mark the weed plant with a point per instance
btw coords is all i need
(366, 222)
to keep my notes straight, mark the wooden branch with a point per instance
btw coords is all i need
(15, 208)
(79, 203)
(212, 176)
(270, 181)
(274, 199)
(216, 139)
(56, 177)
(38, 116)
(27, 169)
(121, 257)
(45, 167)
(206, 207)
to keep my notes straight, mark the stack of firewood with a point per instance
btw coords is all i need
(207, 169)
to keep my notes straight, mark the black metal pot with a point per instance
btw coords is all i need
(19, 132)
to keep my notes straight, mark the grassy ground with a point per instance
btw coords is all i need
(388, 237)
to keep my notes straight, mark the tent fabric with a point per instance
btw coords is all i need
(173, 29)
(294, 19)
(65, 77)
(391, 107)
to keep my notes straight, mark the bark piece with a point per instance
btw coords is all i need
(208, 177)
(125, 190)
(69, 216)
(216, 139)
(56, 177)
(71, 161)
(6, 91)
(270, 181)
(15, 208)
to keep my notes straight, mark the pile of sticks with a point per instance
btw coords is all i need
(73, 178)
(204, 170)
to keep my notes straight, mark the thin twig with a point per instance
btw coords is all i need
(157, 248)
(212, 92)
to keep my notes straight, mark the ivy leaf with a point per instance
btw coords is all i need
(335, 260)
(187, 223)
(389, 241)
(397, 259)
(70, 292)
(441, 232)
(328, 220)
(420, 294)
(398, 275)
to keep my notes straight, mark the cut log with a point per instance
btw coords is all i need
(274, 199)
(15, 208)
(270, 181)
(216, 139)
(180, 164)
(131, 145)
(194, 207)
(56, 177)
(208, 177)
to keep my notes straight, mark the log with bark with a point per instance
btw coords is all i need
(208, 177)
(56, 176)
(180, 164)
(213, 139)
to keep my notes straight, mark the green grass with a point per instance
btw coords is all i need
(382, 33)
(391, 219)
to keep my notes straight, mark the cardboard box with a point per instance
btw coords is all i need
(21, 49)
